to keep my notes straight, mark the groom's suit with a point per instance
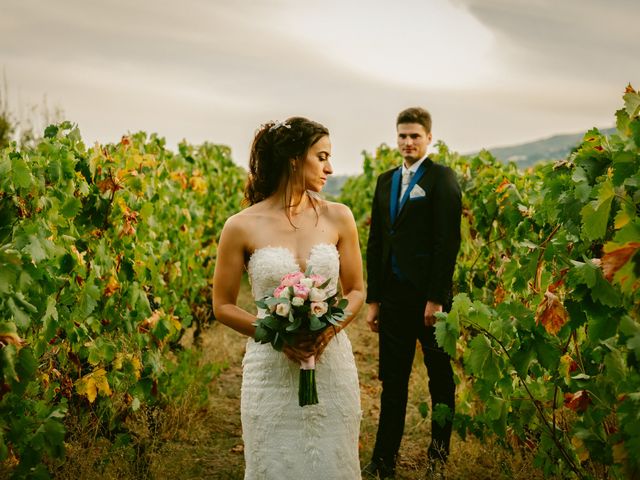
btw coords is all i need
(411, 254)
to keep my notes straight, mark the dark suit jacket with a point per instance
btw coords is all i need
(425, 235)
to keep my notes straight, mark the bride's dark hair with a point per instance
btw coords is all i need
(277, 154)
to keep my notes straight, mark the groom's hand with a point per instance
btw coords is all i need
(430, 313)
(372, 316)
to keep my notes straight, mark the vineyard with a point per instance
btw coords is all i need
(545, 324)
(106, 256)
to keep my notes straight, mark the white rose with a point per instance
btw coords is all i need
(307, 282)
(297, 302)
(317, 295)
(283, 309)
(319, 308)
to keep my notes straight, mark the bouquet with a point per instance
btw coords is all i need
(301, 304)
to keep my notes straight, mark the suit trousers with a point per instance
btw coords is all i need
(400, 325)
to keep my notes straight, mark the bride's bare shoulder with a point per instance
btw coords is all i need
(338, 211)
(245, 220)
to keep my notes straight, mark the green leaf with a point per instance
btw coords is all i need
(522, 359)
(71, 207)
(262, 335)
(8, 364)
(631, 103)
(495, 407)
(292, 327)
(547, 353)
(342, 304)
(626, 213)
(446, 336)
(595, 215)
(21, 174)
(4, 450)
(441, 414)
(624, 167)
(423, 408)
(89, 298)
(601, 327)
(634, 344)
(36, 249)
(26, 368)
(270, 322)
(482, 359)
(604, 292)
(628, 326)
(315, 324)
(51, 131)
(614, 365)
(19, 316)
(622, 120)
(585, 273)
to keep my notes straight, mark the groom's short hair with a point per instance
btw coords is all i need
(415, 115)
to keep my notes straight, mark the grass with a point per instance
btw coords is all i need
(187, 441)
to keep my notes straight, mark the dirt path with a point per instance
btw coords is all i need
(213, 447)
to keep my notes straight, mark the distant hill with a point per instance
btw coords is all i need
(334, 184)
(553, 148)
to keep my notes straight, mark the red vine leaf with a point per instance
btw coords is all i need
(578, 401)
(551, 313)
(109, 184)
(614, 260)
(503, 186)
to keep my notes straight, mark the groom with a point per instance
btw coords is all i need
(411, 254)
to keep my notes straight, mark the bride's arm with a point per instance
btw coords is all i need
(350, 264)
(350, 270)
(227, 277)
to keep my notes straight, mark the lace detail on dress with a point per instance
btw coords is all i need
(268, 265)
(283, 440)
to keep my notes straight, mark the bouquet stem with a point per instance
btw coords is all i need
(307, 389)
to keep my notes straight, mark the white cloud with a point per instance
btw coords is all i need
(492, 72)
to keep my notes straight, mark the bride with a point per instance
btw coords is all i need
(288, 228)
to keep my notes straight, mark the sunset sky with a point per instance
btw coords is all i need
(492, 72)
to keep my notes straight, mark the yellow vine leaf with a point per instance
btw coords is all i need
(92, 383)
(581, 450)
(619, 452)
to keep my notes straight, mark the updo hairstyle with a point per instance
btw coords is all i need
(277, 154)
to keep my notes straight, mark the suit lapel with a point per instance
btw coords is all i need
(395, 193)
(416, 177)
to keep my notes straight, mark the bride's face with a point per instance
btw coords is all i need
(317, 166)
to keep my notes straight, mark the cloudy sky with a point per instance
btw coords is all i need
(492, 72)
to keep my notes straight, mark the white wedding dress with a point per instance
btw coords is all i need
(281, 439)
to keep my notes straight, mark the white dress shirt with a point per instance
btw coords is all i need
(408, 173)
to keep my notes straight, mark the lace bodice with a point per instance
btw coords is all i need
(268, 265)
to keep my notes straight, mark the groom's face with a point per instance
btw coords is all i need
(413, 141)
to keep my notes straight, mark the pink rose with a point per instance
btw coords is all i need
(319, 308)
(317, 280)
(281, 292)
(290, 279)
(300, 291)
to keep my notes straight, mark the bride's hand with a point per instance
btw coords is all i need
(296, 354)
(302, 349)
(323, 340)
